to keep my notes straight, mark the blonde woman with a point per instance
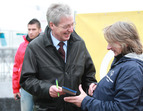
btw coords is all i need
(122, 88)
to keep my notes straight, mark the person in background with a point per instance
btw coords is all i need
(58, 54)
(122, 88)
(34, 29)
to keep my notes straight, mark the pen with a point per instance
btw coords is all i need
(57, 86)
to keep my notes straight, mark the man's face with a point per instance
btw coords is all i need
(33, 31)
(64, 29)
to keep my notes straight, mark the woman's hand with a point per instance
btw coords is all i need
(77, 100)
(91, 89)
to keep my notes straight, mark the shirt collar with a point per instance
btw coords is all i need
(56, 41)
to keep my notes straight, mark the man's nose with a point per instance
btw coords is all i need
(71, 28)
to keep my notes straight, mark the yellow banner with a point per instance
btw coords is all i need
(90, 28)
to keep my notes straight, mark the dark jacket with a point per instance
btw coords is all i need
(43, 65)
(121, 89)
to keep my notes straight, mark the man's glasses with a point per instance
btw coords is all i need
(67, 26)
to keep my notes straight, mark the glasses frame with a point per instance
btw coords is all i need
(68, 26)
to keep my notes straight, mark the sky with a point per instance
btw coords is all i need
(15, 14)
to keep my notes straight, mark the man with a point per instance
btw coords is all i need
(45, 61)
(34, 29)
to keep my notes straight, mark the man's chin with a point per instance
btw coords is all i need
(66, 38)
(32, 37)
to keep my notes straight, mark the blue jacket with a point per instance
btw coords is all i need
(121, 89)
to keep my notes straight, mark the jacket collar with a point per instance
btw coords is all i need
(28, 38)
(24, 37)
(47, 37)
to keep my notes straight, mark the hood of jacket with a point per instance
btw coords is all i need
(128, 57)
(135, 56)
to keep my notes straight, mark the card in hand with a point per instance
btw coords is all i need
(68, 90)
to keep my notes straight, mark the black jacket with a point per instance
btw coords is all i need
(43, 65)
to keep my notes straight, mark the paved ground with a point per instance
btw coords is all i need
(7, 102)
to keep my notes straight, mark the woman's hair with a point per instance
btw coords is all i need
(126, 34)
(56, 11)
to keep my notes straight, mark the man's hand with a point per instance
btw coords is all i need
(16, 95)
(77, 100)
(53, 91)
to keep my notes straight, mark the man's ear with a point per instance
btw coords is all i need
(51, 25)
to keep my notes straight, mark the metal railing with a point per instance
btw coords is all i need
(6, 63)
(9, 42)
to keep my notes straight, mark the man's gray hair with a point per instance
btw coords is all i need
(56, 11)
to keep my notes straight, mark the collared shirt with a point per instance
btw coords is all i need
(56, 42)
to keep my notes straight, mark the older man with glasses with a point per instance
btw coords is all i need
(61, 55)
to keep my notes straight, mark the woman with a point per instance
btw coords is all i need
(122, 88)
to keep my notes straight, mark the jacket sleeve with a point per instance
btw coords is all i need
(127, 93)
(29, 78)
(89, 71)
(16, 69)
